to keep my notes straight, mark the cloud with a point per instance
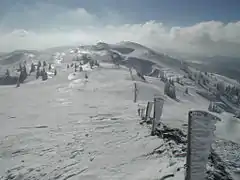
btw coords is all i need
(49, 25)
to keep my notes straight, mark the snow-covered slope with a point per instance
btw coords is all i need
(70, 127)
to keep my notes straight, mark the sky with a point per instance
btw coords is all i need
(209, 27)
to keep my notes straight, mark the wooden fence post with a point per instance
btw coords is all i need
(201, 126)
(158, 106)
(135, 93)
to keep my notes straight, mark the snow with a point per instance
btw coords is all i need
(72, 128)
(109, 151)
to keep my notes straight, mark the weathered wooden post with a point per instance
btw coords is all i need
(142, 113)
(130, 70)
(201, 126)
(148, 110)
(158, 106)
(135, 93)
(161, 75)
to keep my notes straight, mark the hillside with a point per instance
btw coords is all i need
(73, 127)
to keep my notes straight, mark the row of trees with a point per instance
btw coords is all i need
(233, 94)
(91, 63)
(169, 89)
(22, 76)
(39, 71)
(214, 108)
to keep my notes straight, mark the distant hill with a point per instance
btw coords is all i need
(223, 65)
(138, 54)
(141, 57)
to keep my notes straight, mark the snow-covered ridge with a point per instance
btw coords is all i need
(70, 127)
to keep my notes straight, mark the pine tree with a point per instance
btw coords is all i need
(39, 64)
(25, 70)
(91, 64)
(23, 74)
(210, 107)
(203, 81)
(170, 90)
(220, 87)
(199, 82)
(20, 67)
(173, 92)
(178, 80)
(166, 87)
(195, 75)
(44, 64)
(7, 74)
(80, 69)
(228, 89)
(32, 68)
(37, 74)
(21, 77)
(162, 76)
(49, 67)
(44, 75)
(96, 63)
